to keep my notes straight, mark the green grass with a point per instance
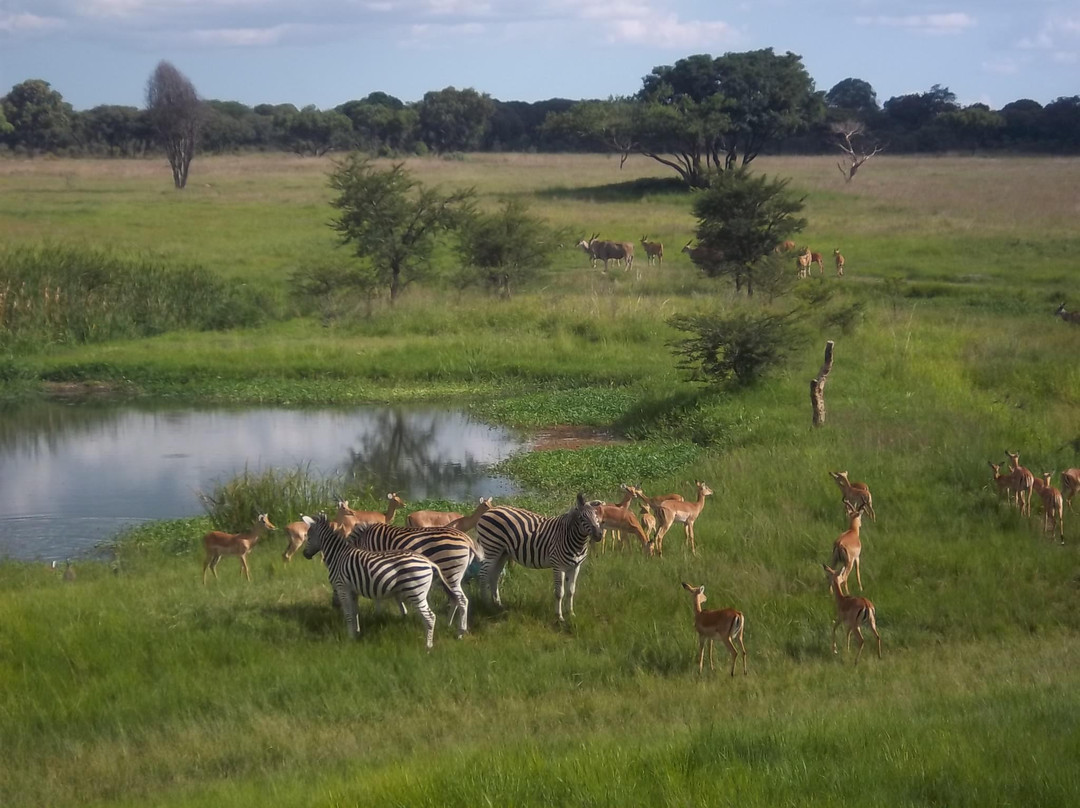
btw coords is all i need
(135, 685)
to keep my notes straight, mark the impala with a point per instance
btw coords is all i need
(648, 521)
(444, 518)
(467, 523)
(815, 258)
(1023, 482)
(654, 502)
(620, 520)
(1070, 484)
(802, 263)
(727, 624)
(1053, 509)
(784, 246)
(220, 544)
(855, 494)
(297, 535)
(673, 511)
(347, 518)
(654, 250)
(839, 262)
(847, 549)
(852, 612)
(1003, 482)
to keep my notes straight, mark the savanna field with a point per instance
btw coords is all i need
(136, 685)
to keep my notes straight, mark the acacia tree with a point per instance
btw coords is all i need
(742, 220)
(175, 112)
(391, 219)
(702, 115)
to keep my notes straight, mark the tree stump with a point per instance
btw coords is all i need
(817, 386)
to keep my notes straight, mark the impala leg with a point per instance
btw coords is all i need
(862, 642)
(734, 653)
(701, 655)
(835, 626)
(213, 565)
(743, 649)
(858, 573)
(690, 537)
(244, 567)
(712, 654)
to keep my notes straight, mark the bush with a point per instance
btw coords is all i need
(735, 351)
(284, 494)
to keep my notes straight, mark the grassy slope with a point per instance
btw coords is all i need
(144, 688)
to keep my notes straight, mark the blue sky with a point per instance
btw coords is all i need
(324, 53)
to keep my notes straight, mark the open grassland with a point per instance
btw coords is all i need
(140, 686)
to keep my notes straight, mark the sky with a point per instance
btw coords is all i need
(325, 53)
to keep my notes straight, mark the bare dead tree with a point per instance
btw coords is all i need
(849, 132)
(175, 112)
(817, 386)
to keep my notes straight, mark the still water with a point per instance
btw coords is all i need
(73, 475)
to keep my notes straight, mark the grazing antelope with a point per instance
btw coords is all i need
(727, 624)
(1070, 484)
(673, 511)
(654, 250)
(297, 535)
(839, 262)
(847, 549)
(620, 520)
(444, 518)
(1068, 316)
(855, 494)
(852, 612)
(1053, 509)
(802, 263)
(220, 544)
(1023, 482)
(347, 518)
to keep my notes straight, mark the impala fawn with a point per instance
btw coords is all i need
(673, 511)
(847, 549)
(726, 624)
(1070, 485)
(839, 263)
(852, 612)
(220, 544)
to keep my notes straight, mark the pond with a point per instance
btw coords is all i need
(72, 475)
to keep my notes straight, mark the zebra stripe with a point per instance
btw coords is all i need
(449, 548)
(558, 543)
(404, 576)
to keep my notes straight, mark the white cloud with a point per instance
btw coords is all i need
(669, 32)
(11, 23)
(241, 37)
(1003, 66)
(935, 24)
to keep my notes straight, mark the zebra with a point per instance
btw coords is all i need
(558, 543)
(402, 575)
(451, 549)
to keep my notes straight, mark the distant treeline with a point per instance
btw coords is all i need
(34, 119)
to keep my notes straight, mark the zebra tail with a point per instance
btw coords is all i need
(442, 578)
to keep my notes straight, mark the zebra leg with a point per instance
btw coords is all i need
(429, 621)
(491, 571)
(571, 585)
(560, 578)
(347, 600)
(458, 602)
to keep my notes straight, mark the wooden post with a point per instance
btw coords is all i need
(817, 386)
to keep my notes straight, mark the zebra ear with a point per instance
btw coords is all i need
(581, 500)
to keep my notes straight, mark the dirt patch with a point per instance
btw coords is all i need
(563, 436)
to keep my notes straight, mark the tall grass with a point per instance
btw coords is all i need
(64, 295)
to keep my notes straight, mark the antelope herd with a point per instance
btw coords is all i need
(373, 558)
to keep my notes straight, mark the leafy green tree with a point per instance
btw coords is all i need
(40, 118)
(974, 127)
(702, 115)
(454, 120)
(382, 123)
(508, 247)
(115, 130)
(852, 97)
(176, 114)
(311, 131)
(5, 127)
(742, 220)
(390, 219)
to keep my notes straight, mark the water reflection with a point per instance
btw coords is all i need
(72, 475)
